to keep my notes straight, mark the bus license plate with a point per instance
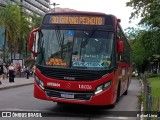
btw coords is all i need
(66, 95)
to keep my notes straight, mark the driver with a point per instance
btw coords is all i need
(99, 47)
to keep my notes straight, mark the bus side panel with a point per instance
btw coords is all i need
(125, 73)
(121, 77)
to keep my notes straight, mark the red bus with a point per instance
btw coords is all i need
(81, 58)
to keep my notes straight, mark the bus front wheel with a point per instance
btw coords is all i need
(117, 99)
(118, 92)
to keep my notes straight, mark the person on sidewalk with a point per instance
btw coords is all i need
(27, 73)
(1, 72)
(11, 72)
(5, 71)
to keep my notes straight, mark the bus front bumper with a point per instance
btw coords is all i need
(86, 98)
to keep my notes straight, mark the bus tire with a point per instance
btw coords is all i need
(60, 103)
(118, 93)
(126, 92)
(112, 106)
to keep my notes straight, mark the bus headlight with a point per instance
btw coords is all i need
(99, 89)
(102, 87)
(39, 82)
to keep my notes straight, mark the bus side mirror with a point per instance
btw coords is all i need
(120, 46)
(33, 39)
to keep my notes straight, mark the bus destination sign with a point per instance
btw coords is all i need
(77, 19)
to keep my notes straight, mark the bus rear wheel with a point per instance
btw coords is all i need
(126, 92)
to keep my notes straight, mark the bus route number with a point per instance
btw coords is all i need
(81, 86)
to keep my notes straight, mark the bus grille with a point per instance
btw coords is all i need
(62, 73)
(76, 95)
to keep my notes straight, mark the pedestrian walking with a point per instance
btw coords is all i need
(27, 73)
(11, 73)
(1, 73)
(5, 71)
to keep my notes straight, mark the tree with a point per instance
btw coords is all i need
(148, 40)
(140, 7)
(17, 26)
(8, 20)
(139, 54)
(36, 20)
(24, 30)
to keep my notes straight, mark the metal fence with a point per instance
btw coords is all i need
(151, 103)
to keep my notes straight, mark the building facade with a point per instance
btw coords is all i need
(39, 7)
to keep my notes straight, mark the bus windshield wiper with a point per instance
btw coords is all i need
(61, 43)
(58, 35)
(59, 39)
(85, 41)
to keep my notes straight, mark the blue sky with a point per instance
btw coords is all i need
(115, 7)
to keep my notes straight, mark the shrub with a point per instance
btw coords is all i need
(150, 75)
(29, 62)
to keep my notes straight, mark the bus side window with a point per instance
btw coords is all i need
(118, 56)
(125, 55)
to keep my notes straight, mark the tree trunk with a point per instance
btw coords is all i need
(11, 52)
(4, 46)
(158, 67)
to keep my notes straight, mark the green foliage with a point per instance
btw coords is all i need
(24, 30)
(36, 20)
(153, 18)
(155, 90)
(151, 75)
(17, 25)
(140, 7)
(29, 62)
(138, 52)
(147, 41)
(9, 20)
(155, 82)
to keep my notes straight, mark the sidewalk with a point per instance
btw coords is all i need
(17, 82)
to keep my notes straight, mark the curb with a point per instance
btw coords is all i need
(15, 86)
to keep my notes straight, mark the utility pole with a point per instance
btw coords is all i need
(54, 4)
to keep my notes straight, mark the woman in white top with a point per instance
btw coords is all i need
(11, 73)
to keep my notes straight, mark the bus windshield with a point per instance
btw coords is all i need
(79, 49)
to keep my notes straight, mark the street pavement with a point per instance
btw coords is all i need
(22, 99)
(18, 81)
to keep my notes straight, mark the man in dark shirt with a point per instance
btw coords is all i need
(1, 72)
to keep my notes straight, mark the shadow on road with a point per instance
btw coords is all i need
(71, 110)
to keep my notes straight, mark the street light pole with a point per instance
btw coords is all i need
(54, 4)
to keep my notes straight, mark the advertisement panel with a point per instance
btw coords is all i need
(18, 63)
